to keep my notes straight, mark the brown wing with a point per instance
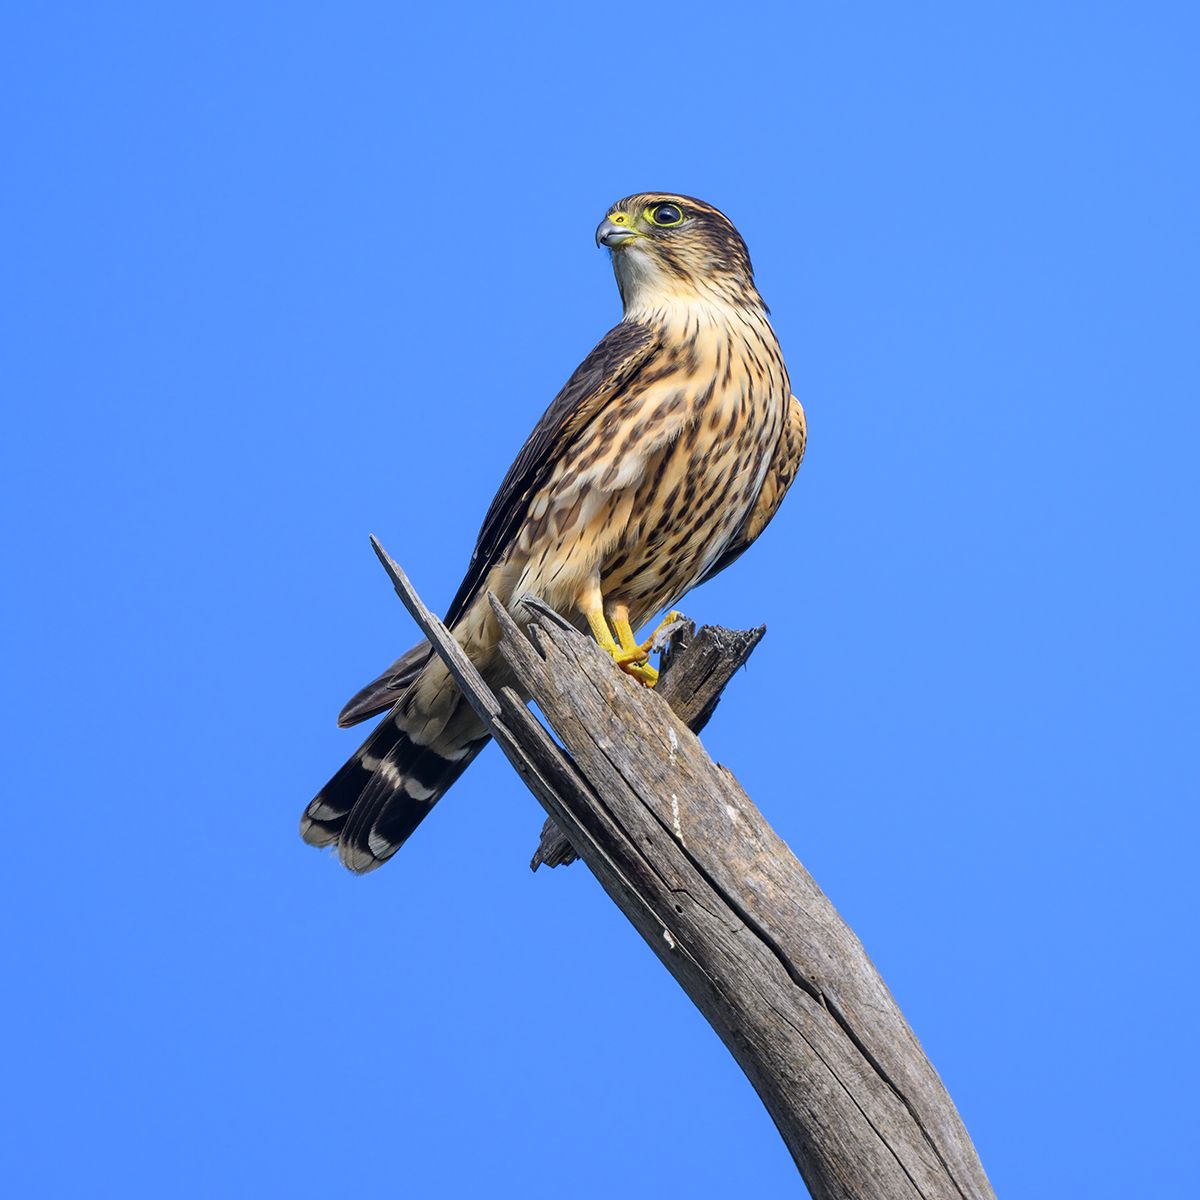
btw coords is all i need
(789, 452)
(610, 368)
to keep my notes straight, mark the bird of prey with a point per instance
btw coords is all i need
(660, 461)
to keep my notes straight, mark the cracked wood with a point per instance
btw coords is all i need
(731, 913)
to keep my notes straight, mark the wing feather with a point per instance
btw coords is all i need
(607, 371)
(785, 462)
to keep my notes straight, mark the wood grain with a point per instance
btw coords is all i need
(726, 907)
(695, 668)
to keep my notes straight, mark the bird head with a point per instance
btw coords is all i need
(668, 248)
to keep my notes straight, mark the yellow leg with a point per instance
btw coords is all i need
(628, 654)
(602, 633)
(628, 643)
(633, 657)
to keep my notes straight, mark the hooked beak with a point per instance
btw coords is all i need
(611, 234)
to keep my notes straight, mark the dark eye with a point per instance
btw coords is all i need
(665, 214)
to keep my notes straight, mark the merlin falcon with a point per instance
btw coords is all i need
(665, 455)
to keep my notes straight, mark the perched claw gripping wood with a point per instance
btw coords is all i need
(726, 907)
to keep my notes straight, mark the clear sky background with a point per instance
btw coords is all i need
(277, 279)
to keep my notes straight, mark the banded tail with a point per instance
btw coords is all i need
(390, 784)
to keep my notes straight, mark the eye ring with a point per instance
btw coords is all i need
(664, 215)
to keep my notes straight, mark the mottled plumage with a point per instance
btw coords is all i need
(660, 461)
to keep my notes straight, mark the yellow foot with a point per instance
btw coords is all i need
(667, 621)
(627, 654)
(644, 673)
(633, 657)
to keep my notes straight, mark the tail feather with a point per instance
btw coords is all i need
(399, 796)
(382, 793)
(381, 693)
(390, 784)
(326, 814)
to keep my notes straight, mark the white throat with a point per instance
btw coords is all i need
(650, 293)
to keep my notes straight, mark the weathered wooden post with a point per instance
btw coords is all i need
(722, 901)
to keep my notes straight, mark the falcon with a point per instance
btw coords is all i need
(665, 455)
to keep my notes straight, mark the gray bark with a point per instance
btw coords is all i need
(694, 671)
(725, 905)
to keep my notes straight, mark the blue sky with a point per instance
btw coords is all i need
(278, 279)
